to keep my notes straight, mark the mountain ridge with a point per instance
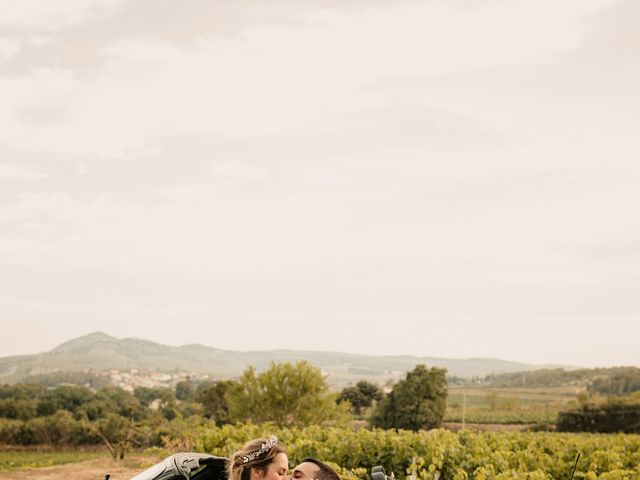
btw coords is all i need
(100, 351)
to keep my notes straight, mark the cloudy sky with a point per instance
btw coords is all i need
(453, 179)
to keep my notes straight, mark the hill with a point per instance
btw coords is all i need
(99, 352)
(603, 381)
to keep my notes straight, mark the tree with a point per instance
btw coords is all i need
(185, 389)
(418, 401)
(212, 396)
(146, 395)
(21, 409)
(57, 429)
(360, 396)
(66, 397)
(119, 434)
(22, 391)
(94, 409)
(286, 394)
(122, 403)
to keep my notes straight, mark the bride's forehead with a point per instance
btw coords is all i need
(281, 460)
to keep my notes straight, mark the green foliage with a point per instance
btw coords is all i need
(22, 391)
(185, 389)
(94, 409)
(418, 401)
(122, 403)
(188, 409)
(604, 381)
(10, 431)
(213, 397)
(119, 434)
(22, 409)
(57, 429)
(285, 394)
(520, 414)
(425, 454)
(167, 407)
(614, 415)
(513, 405)
(146, 395)
(360, 396)
(55, 379)
(448, 455)
(620, 381)
(66, 397)
(17, 460)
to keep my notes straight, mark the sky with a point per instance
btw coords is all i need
(453, 179)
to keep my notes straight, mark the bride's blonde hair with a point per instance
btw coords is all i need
(258, 453)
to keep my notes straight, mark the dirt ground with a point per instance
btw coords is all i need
(88, 470)
(487, 427)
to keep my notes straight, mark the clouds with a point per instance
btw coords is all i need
(276, 78)
(219, 161)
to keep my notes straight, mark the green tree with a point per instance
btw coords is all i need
(57, 429)
(66, 397)
(21, 409)
(185, 389)
(94, 409)
(146, 395)
(119, 434)
(167, 406)
(212, 396)
(22, 391)
(418, 401)
(360, 396)
(189, 409)
(122, 403)
(286, 394)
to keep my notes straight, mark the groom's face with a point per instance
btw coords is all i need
(305, 471)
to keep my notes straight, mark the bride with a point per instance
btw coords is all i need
(259, 459)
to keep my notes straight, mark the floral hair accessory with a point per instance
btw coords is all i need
(265, 447)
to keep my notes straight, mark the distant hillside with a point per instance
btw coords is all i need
(99, 351)
(604, 381)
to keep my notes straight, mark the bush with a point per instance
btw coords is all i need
(10, 431)
(611, 417)
(57, 429)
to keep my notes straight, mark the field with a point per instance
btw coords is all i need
(489, 405)
(79, 465)
(26, 459)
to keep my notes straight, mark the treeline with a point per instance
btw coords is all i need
(613, 415)
(286, 395)
(601, 381)
(75, 415)
(88, 379)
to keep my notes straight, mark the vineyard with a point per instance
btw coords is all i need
(508, 405)
(443, 454)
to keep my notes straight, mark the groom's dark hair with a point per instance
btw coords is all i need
(325, 472)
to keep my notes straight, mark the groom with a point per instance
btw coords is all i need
(314, 469)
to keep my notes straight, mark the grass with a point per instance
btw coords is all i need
(27, 459)
(508, 405)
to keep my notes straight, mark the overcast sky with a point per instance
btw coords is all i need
(441, 178)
